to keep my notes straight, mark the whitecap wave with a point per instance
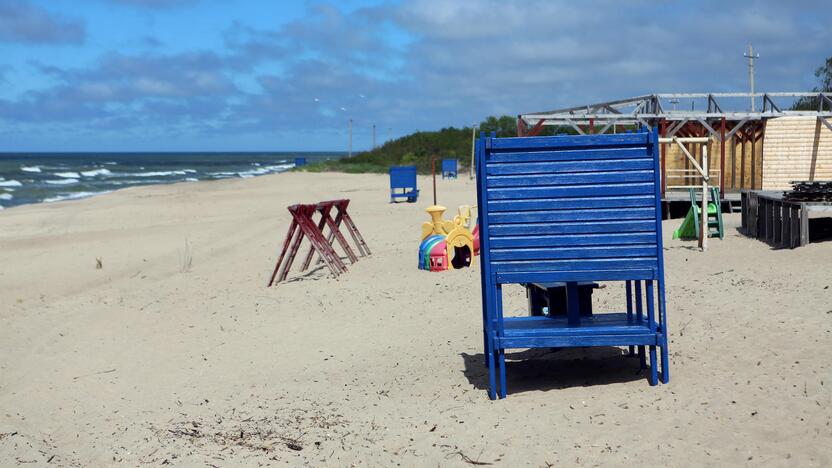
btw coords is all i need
(6, 196)
(68, 175)
(62, 181)
(9, 183)
(191, 179)
(72, 196)
(34, 169)
(96, 172)
(265, 170)
(156, 173)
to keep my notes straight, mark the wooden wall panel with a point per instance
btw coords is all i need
(796, 148)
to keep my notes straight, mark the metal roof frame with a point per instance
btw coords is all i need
(650, 108)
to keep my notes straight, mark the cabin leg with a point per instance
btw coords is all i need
(492, 376)
(654, 366)
(629, 289)
(501, 353)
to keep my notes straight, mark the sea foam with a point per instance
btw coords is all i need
(68, 175)
(34, 169)
(73, 196)
(62, 181)
(96, 172)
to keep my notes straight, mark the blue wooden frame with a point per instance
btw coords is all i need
(300, 161)
(449, 168)
(570, 209)
(403, 183)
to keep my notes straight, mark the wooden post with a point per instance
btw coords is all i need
(703, 224)
(722, 157)
(473, 138)
(663, 155)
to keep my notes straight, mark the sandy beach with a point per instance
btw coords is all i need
(175, 353)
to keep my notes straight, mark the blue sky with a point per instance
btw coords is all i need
(145, 75)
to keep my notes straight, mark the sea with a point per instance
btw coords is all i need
(54, 177)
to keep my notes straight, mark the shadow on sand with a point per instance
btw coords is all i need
(546, 369)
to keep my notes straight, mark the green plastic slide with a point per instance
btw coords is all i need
(688, 228)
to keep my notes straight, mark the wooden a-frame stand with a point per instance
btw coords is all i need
(303, 226)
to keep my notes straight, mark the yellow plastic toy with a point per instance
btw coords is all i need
(440, 236)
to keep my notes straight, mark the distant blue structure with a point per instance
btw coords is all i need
(570, 209)
(403, 183)
(449, 168)
(300, 162)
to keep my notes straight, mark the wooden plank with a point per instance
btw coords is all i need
(804, 225)
(777, 223)
(569, 191)
(609, 227)
(594, 154)
(572, 240)
(571, 167)
(586, 178)
(794, 216)
(572, 215)
(575, 253)
(577, 275)
(571, 265)
(566, 341)
(571, 141)
(630, 201)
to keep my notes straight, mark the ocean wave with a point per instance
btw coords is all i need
(191, 179)
(157, 173)
(34, 169)
(265, 170)
(62, 181)
(9, 183)
(6, 196)
(96, 172)
(72, 196)
(68, 175)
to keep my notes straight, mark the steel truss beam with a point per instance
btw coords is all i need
(647, 110)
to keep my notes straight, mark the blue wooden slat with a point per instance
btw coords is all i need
(597, 324)
(570, 191)
(571, 141)
(633, 201)
(572, 240)
(572, 167)
(535, 180)
(572, 215)
(571, 228)
(575, 253)
(571, 265)
(590, 275)
(566, 341)
(565, 155)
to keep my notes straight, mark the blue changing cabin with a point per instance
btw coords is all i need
(570, 209)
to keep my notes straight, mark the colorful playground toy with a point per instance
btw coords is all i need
(440, 236)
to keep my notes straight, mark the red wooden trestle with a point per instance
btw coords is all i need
(303, 226)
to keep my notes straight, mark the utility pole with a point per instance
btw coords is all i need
(374, 136)
(389, 133)
(751, 57)
(350, 138)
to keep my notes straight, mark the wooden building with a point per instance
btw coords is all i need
(758, 150)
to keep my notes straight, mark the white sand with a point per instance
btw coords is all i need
(141, 363)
